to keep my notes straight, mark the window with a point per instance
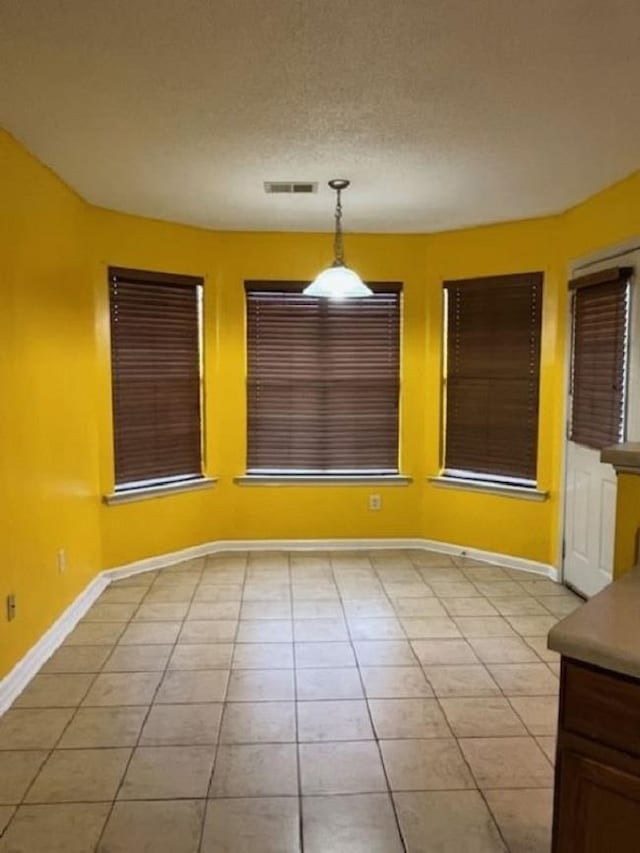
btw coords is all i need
(156, 377)
(323, 381)
(598, 370)
(492, 376)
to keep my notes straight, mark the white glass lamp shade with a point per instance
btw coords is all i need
(338, 282)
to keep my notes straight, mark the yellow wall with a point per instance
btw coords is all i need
(57, 438)
(627, 523)
(49, 481)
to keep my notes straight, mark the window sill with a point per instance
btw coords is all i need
(323, 480)
(489, 488)
(158, 491)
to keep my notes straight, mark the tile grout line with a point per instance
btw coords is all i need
(224, 709)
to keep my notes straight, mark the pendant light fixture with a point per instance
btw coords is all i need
(338, 281)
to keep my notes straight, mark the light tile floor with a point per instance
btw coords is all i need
(351, 702)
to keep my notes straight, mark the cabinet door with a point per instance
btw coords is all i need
(598, 808)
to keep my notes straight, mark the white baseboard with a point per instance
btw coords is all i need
(14, 683)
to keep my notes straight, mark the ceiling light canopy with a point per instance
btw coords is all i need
(338, 281)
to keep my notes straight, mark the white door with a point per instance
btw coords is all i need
(590, 520)
(590, 496)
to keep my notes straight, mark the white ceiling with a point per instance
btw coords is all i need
(443, 113)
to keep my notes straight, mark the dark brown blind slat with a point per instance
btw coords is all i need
(323, 381)
(155, 367)
(493, 367)
(600, 314)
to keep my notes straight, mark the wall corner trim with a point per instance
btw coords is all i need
(12, 685)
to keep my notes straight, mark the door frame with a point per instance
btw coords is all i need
(629, 252)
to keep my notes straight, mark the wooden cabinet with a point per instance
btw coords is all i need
(597, 788)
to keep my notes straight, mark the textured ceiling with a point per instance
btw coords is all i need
(443, 113)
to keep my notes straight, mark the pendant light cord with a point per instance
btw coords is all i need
(338, 244)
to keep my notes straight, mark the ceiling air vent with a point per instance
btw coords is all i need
(290, 187)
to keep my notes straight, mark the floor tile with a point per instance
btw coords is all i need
(33, 728)
(265, 631)
(315, 655)
(138, 658)
(341, 768)
(256, 685)
(368, 608)
(123, 688)
(255, 770)
(480, 717)
(442, 574)
(123, 594)
(561, 607)
(524, 817)
(263, 656)
(162, 827)
(399, 682)
(319, 630)
(539, 645)
(406, 590)
(266, 610)
(19, 769)
(522, 605)
(384, 653)
(266, 592)
(110, 612)
(430, 558)
(354, 823)
(486, 574)
(503, 650)
(213, 610)
(548, 745)
(95, 634)
(469, 607)
(453, 589)
(6, 813)
(544, 587)
(443, 652)
(328, 683)
(258, 722)
(170, 594)
(77, 659)
(430, 627)
(147, 633)
(219, 592)
(447, 821)
(425, 765)
(461, 680)
(420, 608)
(334, 721)
(58, 828)
(532, 626)
(187, 686)
(54, 691)
(182, 725)
(215, 631)
(161, 611)
(538, 713)
(79, 775)
(365, 628)
(525, 679)
(265, 824)
(484, 626)
(408, 718)
(202, 656)
(168, 772)
(502, 589)
(507, 762)
(102, 727)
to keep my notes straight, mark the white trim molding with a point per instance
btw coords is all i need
(17, 679)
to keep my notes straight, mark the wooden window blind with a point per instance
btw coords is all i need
(600, 332)
(155, 369)
(323, 381)
(492, 376)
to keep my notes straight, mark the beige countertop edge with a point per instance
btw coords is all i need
(605, 631)
(626, 455)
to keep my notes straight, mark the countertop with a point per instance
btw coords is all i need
(605, 631)
(625, 455)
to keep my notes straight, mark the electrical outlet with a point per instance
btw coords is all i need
(11, 607)
(62, 560)
(375, 503)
